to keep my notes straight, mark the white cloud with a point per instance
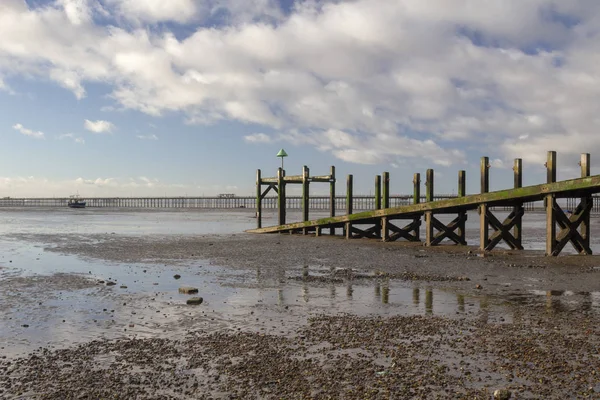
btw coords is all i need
(72, 137)
(28, 132)
(147, 137)
(98, 126)
(258, 138)
(365, 80)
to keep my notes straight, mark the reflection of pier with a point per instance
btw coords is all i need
(389, 223)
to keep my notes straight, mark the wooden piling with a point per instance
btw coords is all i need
(417, 188)
(378, 192)
(386, 190)
(305, 196)
(429, 219)
(587, 200)
(429, 186)
(483, 208)
(258, 199)
(550, 205)
(518, 209)
(332, 197)
(417, 200)
(462, 191)
(281, 196)
(384, 221)
(348, 225)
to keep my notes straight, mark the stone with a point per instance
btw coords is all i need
(502, 394)
(110, 283)
(195, 300)
(176, 276)
(123, 287)
(188, 290)
(478, 286)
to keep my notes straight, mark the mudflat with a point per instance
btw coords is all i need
(302, 317)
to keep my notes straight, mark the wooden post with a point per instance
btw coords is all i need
(518, 228)
(378, 192)
(485, 174)
(551, 167)
(258, 200)
(378, 203)
(429, 215)
(417, 200)
(462, 191)
(417, 188)
(461, 184)
(385, 229)
(332, 197)
(585, 224)
(483, 208)
(386, 190)
(550, 212)
(305, 196)
(348, 225)
(429, 186)
(281, 196)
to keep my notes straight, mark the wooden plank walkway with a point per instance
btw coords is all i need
(570, 188)
(573, 226)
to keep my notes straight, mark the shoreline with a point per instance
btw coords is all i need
(526, 323)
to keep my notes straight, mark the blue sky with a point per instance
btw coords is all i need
(190, 97)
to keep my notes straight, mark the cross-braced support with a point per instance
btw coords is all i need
(445, 231)
(568, 227)
(502, 230)
(409, 232)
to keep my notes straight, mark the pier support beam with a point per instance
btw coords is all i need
(281, 196)
(509, 230)
(305, 196)
(332, 198)
(349, 189)
(568, 224)
(432, 224)
(259, 198)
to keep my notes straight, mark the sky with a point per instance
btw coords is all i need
(190, 97)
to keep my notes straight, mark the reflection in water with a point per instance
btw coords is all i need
(385, 292)
(349, 290)
(305, 271)
(305, 292)
(460, 299)
(415, 296)
(332, 291)
(377, 290)
(429, 301)
(280, 297)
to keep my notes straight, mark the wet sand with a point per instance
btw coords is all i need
(300, 317)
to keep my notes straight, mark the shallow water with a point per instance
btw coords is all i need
(40, 308)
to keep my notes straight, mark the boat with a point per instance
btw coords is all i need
(76, 202)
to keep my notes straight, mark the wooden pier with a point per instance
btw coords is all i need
(380, 223)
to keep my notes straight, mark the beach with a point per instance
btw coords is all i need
(91, 309)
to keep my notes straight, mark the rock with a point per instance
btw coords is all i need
(110, 283)
(195, 300)
(502, 394)
(176, 276)
(123, 287)
(478, 286)
(188, 290)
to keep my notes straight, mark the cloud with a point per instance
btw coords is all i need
(28, 132)
(72, 137)
(380, 80)
(147, 137)
(258, 138)
(98, 126)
